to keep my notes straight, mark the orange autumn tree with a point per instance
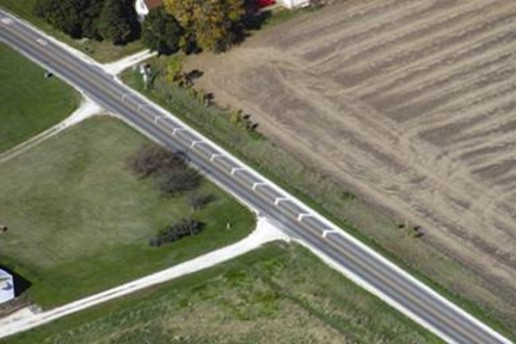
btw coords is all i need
(211, 23)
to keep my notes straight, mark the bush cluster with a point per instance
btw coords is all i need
(183, 228)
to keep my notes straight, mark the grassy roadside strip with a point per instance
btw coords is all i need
(100, 51)
(265, 296)
(213, 123)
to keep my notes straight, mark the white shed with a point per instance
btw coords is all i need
(6, 286)
(295, 3)
(143, 7)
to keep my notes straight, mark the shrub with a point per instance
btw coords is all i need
(177, 231)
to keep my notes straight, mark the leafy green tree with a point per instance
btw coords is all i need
(161, 32)
(65, 15)
(90, 22)
(212, 23)
(117, 21)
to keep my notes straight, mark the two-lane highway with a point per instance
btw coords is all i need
(361, 264)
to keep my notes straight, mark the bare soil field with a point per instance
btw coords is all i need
(411, 104)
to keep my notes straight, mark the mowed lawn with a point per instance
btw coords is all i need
(29, 103)
(277, 294)
(79, 221)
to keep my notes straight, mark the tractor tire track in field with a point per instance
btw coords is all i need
(409, 103)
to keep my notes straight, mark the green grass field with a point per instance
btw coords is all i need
(29, 103)
(101, 51)
(79, 221)
(277, 294)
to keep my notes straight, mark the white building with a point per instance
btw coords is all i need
(294, 3)
(6, 286)
(143, 7)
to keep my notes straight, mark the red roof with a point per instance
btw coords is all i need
(153, 3)
(265, 3)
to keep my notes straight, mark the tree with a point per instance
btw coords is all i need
(154, 159)
(90, 22)
(65, 15)
(117, 21)
(161, 31)
(175, 182)
(211, 22)
(170, 170)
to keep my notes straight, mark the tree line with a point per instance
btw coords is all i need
(189, 25)
(112, 20)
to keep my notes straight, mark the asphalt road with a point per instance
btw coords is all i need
(361, 264)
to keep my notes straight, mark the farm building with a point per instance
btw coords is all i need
(6, 286)
(294, 3)
(143, 7)
(285, 3)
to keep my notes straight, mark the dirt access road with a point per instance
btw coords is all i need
(412, 104)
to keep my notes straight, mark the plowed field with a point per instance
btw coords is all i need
(411, 103)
